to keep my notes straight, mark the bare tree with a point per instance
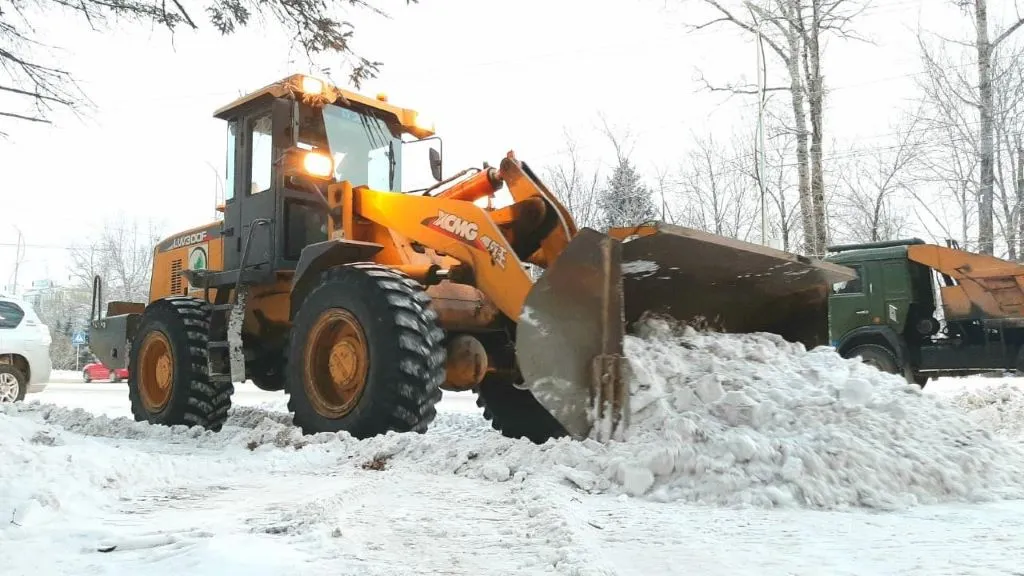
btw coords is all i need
(950, 164)
(44, 85)
(782, 196)
(64, 310)
(980, 95)
(665, 189)
(122, 255)
(982, 115)
(574, 185)
(1008, 128)
(718, 196)
(793, 30)
(873, 183)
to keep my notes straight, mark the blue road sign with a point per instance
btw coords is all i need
(78, 338)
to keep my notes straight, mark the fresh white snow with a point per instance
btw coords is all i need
(747, 455)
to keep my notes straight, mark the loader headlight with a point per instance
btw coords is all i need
(303, 163)
(312, 86)
(424, 122)
(318, 164)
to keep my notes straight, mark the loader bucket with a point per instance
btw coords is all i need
(570, 332)
(724, 284)
(569, 338)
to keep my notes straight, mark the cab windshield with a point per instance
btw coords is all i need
(365, 150)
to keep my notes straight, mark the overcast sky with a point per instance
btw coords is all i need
(494, 75)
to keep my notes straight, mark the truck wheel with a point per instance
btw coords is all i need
(365, 355)
(878, 356)
(168, 382)
(13, 384)
(516, 413)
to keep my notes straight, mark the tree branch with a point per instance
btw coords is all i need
(1006, 33)
(26, 118)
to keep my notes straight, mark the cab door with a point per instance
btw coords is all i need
(849, 306)
(251, 191)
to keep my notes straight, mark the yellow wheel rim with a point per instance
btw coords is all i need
(337, 360)
(156, 372)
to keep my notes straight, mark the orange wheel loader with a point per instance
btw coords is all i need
(338, 278)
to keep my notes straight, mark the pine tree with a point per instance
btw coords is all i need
(625, 200)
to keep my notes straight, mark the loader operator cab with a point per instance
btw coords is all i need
(288, 141)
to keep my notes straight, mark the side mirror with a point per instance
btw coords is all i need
(417, 155)
(435, 164)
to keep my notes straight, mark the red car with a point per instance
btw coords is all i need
(97, 371)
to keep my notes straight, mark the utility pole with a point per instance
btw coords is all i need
(761, 80)
(218, 190)
(17, 258)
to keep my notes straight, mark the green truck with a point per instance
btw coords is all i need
(925, 311)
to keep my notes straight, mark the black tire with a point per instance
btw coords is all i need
(10, 370)
(86, 378)
(921, 379)
(193, 400)
(113, 377)
(403, 345)
(516, 413)
(878, 356)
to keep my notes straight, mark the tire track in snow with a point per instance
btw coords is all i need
(344, 521)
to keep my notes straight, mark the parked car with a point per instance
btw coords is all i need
(99, 371)
(24, 350)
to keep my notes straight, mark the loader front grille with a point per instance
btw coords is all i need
(176, 276)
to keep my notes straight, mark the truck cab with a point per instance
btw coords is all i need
(892, 315)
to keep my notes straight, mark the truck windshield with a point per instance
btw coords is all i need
(364, 149)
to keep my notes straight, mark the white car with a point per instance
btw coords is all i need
(24, 350)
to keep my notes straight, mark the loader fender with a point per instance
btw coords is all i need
(109, 338)
(318, 257)
(880, 335)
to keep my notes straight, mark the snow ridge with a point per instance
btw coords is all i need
(740, 420)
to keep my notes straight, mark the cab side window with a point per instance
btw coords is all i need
(10, 315)
(855, 286)
(229, 168)
(261, 145)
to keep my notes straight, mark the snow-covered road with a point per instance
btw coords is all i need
(174, 504)
(89, 492)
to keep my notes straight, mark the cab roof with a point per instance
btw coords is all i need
(295, 87)
(884, 250)
(865, 254)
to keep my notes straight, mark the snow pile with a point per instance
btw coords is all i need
(997, 408)
(732, 420)
(753, 419)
